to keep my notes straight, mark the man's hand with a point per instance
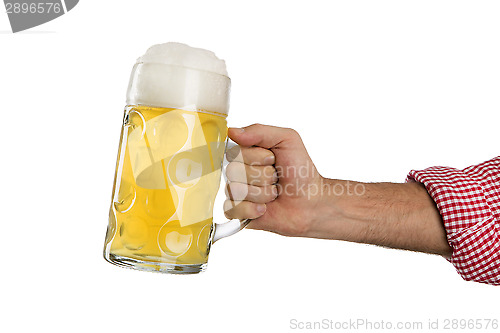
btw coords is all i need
(274, 182)
(265, 155)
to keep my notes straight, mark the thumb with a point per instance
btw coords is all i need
(264, 136)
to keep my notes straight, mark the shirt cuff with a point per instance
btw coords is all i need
(469, 203)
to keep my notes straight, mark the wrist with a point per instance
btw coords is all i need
(332, 215)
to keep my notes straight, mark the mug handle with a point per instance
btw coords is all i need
(230, 227)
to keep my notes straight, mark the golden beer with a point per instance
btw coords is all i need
(167, 176)
(169, 162)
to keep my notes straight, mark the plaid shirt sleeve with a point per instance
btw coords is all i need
(469, 203)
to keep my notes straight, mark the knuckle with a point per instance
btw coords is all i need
(256, 125)
(237, 153)
(238, 191)
(238, 209)
(227, 206)
(228, 214)
(234, 170)
(230, 168)
(293, 133)
(229, 209)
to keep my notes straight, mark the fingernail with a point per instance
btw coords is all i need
(261, 208)
(269, 160)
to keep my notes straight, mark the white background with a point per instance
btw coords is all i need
(375, 88)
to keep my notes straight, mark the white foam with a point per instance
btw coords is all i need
(175, 75)
(184, 55)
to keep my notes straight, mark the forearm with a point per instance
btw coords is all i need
(395, 215)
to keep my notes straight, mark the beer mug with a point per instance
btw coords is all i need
(169, 164)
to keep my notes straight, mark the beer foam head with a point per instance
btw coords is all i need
(183, 55)
(175, 75)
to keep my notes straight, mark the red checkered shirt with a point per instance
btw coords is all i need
(469, 203)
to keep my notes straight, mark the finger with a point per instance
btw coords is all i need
(256, 175)
(250, 155)
(243, 209)
(264, 222)
(257, 194)
(264, 136)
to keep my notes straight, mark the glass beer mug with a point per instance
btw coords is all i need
(168, 170)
